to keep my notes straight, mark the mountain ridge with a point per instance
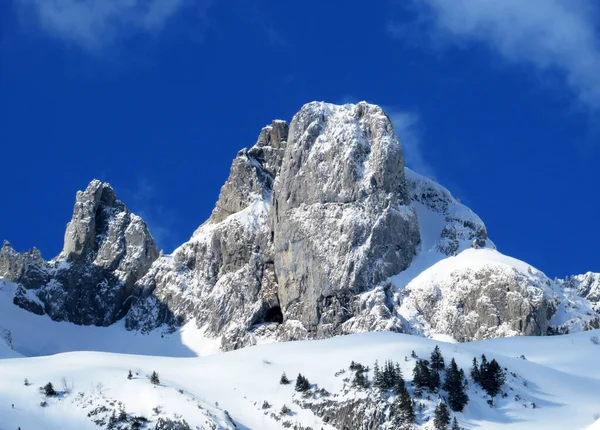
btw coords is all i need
(319, 231)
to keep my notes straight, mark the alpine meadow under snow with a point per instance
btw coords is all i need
(326, 264)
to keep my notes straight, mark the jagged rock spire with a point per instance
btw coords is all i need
(106, 250)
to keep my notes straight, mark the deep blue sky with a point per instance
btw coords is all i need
(158, 101)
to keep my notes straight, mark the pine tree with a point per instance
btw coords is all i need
(112, 421)
(284, 379)
(49, 389)
(154, 378)
(475, 375)
(434, 380)
(455, 424)
(399, 384)
(442, 417)
(377, 376)
(302, 383)
(437, 360)
(404, 412)
(492, 378)
(454, 385)
(385, 378)
(484, 364)
(421, 374)
(398, 371)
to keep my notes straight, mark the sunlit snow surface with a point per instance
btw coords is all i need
(561, 373)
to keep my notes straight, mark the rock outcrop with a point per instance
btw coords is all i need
(319, 230)
(342, 221)
(107, 249)
(290, 244)
(223, 278)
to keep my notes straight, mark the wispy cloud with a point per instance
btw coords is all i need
(95, 24)
(406, 126)
(550, 35)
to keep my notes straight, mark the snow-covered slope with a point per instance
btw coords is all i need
(460, 287)
(557, 375)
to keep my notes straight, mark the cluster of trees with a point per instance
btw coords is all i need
(49, 390)
(489, 375)
(426, 373)
(388, 378)
(302, 384)
(427, 376)
(441, 418)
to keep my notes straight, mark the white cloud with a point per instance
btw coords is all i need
(94, 24)
(407, 129)
(550, 35)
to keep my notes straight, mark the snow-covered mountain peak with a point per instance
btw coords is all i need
(319, 230)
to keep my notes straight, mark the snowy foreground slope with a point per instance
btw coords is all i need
(558, 374)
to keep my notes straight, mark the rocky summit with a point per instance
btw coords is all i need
(320, 230)
(106, 250)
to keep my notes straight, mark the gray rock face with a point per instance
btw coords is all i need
(583, 300)
(107, 249)
(341, 221)
(460, 224)
(252, 173)
(480, 303)
(223, 278)
(289, 241)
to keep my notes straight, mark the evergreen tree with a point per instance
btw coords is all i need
(442, 417)
(455, 424)
(284, 379)
(49, 390)
(404, 412)
(434, 380)
(421, 374)
(475, 375)
(454, 385)
(399, 384)
(376, 375)
(484, 364)
(437, 360)
(399, 374)
(154, 378)
(361, 377)
(492, 377)
(386, 377)
(302, 383)
(112, 421)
